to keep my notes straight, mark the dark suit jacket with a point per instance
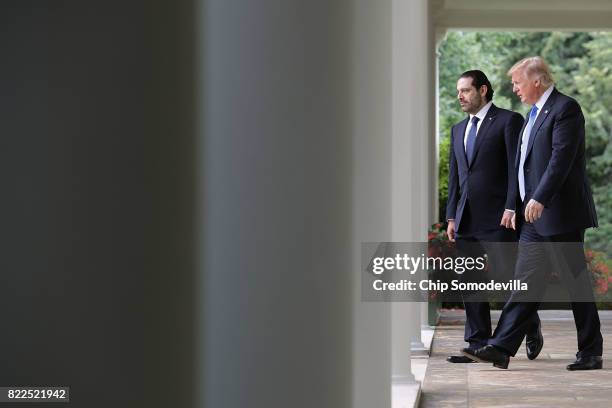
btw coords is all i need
(488, 182)
(555, 168)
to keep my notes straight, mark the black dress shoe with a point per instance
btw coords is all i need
(586, 363)
(534, 344)
(488, 354)
(459, 359)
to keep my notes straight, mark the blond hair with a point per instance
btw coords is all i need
(534, 68)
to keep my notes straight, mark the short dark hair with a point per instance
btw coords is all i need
(479, 79)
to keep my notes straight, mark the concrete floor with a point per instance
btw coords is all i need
(543, 382)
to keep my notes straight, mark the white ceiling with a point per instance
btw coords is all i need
(529, 15)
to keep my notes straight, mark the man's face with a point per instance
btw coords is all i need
(526, 89)
(469, 97)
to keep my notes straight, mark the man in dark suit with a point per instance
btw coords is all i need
(481, 200)
(556, 206)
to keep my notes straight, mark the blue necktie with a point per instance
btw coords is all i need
(524, 143)
(471, 139)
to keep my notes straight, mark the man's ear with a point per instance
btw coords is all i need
(483, 90)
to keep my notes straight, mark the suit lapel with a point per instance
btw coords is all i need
(540, 119)
(459, 146)
(482, 132)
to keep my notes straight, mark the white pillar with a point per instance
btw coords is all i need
(97, 201)
(416, 325)
(425, 315)
(412, 99)
(371, 194)
(275, 200)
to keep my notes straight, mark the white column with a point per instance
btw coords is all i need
(371, 194)
(275, 201)
(412, 96)
(97, 200)
(425, 315)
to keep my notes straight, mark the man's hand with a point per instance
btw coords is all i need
(506, 220)
(450, 231)
(533, 211)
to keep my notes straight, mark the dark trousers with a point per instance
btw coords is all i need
(517, 316)
(478, 313)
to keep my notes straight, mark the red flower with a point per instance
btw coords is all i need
(602, 286)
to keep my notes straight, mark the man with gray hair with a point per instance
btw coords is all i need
(554, 206)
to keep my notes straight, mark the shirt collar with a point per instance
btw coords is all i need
(540, 103)
(482, 113)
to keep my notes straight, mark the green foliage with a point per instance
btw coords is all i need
(582, 68)
(443, 179)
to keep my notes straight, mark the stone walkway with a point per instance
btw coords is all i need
(543, 382)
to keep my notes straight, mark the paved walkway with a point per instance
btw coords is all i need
(543, 382)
